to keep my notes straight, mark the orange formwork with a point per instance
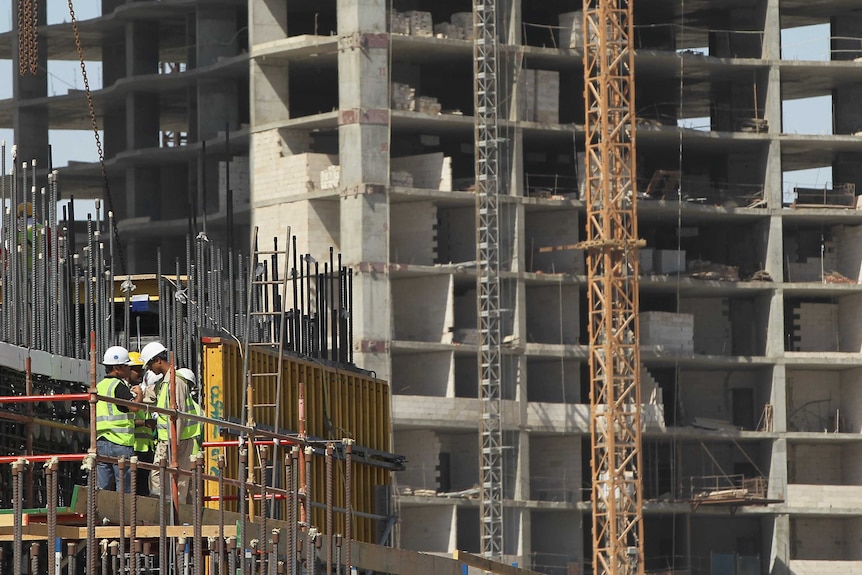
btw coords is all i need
(339, 404)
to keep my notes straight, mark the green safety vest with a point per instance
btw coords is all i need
(111, 423)
(143, 438)
(188, 429)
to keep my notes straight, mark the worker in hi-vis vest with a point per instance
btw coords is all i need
(145, 425)
(115, 424)
(155, 358)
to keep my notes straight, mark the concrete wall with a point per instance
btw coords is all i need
(813, 397)
(712, 327)
(424, 309)
(813, 567)
(552, 229)
(315, 225)
(670, 331)
(430, 529)
(431, 374)
(851, 401)
(813, 464)
(824, 498)
(463, 450)
(554, 381)
(823, 539)
(429, 171)
(850, 323)
(849, 240)
(709, 393)
(422, 450)
(553, 314)
(414, 233)
(456, 235)
(815, 327)
(555, 468)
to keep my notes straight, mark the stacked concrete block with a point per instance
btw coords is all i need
(712, 326)
(422, 449)
(429, 171)
(330, 178)
(414, 233)
(815, 327)
(464, 22)
(668, 261)
(403, 97)
(541, 96)
(849, 252)
(428, 105)
(812, 269)
(812, 464)
(314, 223)
(239, 183)
(421, 23)
(652, 416)
(668, 331)
(572, 29)
(399, 23)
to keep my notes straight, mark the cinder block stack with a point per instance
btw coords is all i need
(399, 23)
(403, 97)
(428, 105)
(421, 23)
(464, 22)
(401, 178)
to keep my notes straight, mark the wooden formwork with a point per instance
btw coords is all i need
(338, 404)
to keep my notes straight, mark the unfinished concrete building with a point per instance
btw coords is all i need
(362, 137)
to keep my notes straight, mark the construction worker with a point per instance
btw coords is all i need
(115, 424)
(192, 382)
(145, 426)
(155, 358)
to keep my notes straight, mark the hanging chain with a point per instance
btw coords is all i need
(28, 37)
(108, 201)
(34, 37)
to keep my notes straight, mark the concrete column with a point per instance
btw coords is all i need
(217, 100)
(267, 21)
(778, 399)
(29, 121)
(363, 142)
(772, 31)
(270, 101)
(779, 555)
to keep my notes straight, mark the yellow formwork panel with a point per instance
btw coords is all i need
(338, 404)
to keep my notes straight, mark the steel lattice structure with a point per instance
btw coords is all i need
(488, 289)
(612, 272)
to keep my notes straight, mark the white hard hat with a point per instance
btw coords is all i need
(187, 374)
(116, 355)
(151, 378)
(150, 351)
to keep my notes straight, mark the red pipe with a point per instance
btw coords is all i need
(41, 458)
(35, 398)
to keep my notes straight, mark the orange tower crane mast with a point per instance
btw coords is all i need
(612, 285)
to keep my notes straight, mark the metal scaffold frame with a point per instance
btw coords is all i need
(612, 286)
(488, 289)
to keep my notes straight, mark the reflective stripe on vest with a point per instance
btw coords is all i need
(111, 423)
(143, 439)
(188, 429)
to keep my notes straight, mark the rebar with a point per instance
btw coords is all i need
(348, 497)
(163, 515)
(17, 509)
(51, 494)
(134, 544)
(329, 495)
(199, 513)
(221, 491)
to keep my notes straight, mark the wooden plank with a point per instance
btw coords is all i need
(38, 532)
(154, 531)
(490, 566)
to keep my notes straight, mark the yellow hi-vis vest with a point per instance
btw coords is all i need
(111, 423)
(187, 429)
(143, 437)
